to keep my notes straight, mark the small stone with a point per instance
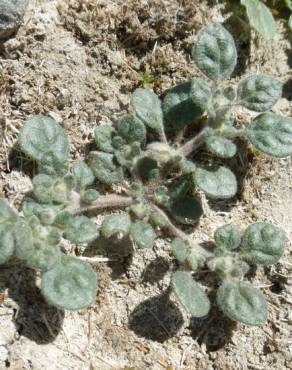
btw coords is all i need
(11, 16)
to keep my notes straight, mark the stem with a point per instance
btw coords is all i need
(180, 234)
(96, 260)
(162, 136)
(193, 144)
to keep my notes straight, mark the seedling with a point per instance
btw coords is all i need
(152, 178)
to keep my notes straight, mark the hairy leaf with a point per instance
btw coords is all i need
(158, 220)
(104, 169)
(143, 234)
(221, 146)
(71, 285)
(45, 213)
(104, 138)
(7, 244)
(132, 129)
(179, 250)
(215, 52)
(144, 167)
(23, 240)
(90, 196)
(115, 225)
(180, 188)
(81, 229)
(242, 302)
(263, 243)
(49, 190)
(271, 134)
(53, 164)
(83, 174)
(190, 294)
(40, 135)
(227, 236)
(259, 92)
(140, 210)
(186, 210)
(43, 257)
(160, 152)
(187, 167)
(217, 182)
(260, 17)
(147, 107)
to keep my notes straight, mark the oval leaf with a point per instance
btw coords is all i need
(263, 243)
(147, 107)
(40, 135)
(83, 174)
(259, 92)
(227, 237)
(43, 257)
(217, 182)
(190, 294)
(242, 302)
(271, 134)
(142, 234)
(81, 229)
(221, 146)
(104, 138)
(115, 224)
(132, 129)
(71, 285)
(186, 210)
(215, 52)
(6, 243)
(104, 169)
(179, 249)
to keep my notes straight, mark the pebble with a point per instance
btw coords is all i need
(11, 16)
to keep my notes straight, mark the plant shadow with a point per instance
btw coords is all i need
(155, 270)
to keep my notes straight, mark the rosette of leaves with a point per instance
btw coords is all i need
(261, 244)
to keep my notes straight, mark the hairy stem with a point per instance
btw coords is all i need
(162, 136)
(180, 234)
(193, 144)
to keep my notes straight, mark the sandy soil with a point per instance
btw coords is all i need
(78, 61)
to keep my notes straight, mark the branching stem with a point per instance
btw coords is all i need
(194, 143)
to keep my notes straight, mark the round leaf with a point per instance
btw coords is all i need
(190, 294)
(132, 129)
(104, 138)
(221, 146)
(263, 243)
(142, 234)
(83, 174)
(71, 285)
(216, 182)
(271, 134)
(147, 107)
(53, 164)
(40, 135)
(104, 169)
(90, 196)
(115, 224)
(242, 302)
(215, 52)
(227, 237)
(43, 257)
(81, 229)
(259, 92)
(186, 210)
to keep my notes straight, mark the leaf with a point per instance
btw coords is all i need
(115, 225)
(158, 220)
(215, 52)
(45, 213)
(43, 257)
(104, 169)
(242, 302)
(227, 236)
(216, 181)
(186, 102)
(40, 135)
(140, 210)
(260, 18)
(7, 244)
(143, 234)
(49, 190)
(23, 240)
(7, 214)
(179, 250)
(187, 167)
(180, 188)
(90, 196)
(190, 294)
(104, 138)
(186, 210)
(290, 23)
(71, 285)
(259, 92)
(147, 107)
(160, 152)
(263, 243)
(81, 229)
(221, 146)
(132, 129)
(271, 134)
(83, 174)
(53, 164)
(144, 167)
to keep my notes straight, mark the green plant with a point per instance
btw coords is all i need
(154, 182)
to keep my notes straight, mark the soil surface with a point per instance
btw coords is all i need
(78, 61)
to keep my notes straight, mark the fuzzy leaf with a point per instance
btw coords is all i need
(43, 257)
(180, 188)
(23, 240)
(115, 225)
(160, 152)
(259, 92)
(49, 190)
(187, 167)
(271, 134)
(217, 182)
(53, 164)
(190, 294)
(81, 229)
(260, 17)
(63, 219)
(242, 302)
(71, 285)
(45, 213)
(104, 138)
(227, 236)
(7, 244)
(221, 146)
(179, 107)
(140, 210)
(215, 52)
(142, 234)
(83, 174)
(179, 250)
(263, 243)
(40, 135)
(158, 220)
(90, 196)
(186, 210)
(7, 214)
(144, 167)
(147, 107)
(132, 129)
(104, 168)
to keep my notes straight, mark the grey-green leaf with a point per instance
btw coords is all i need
(190, 294)
(7, 214)
(179, 250)
(104, 138)
(40, 135)
(104, 168)
(90, 196)
(81, 229)
(215, 52)
(83, 174)
(260, 17)
(7, 244)
(43, 257)
(115, 225)
(242, 302)
(263, 243)
(186, 210)
(259, 92)
(227, 236)
(147, 107)
(144, 167)
(132, 129)
(143, 234)
(53, 164)
(71, 285)
(216, 181)
(221, 147)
